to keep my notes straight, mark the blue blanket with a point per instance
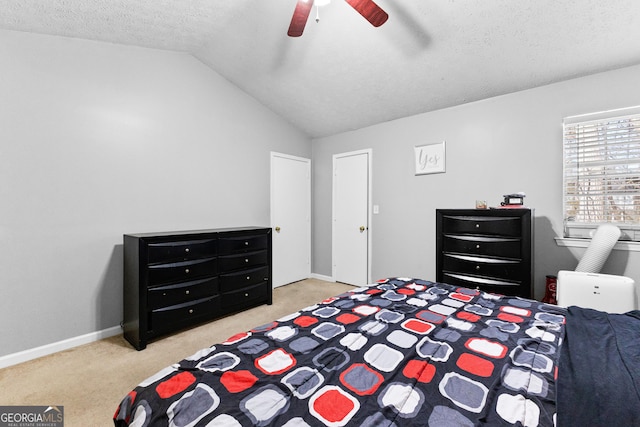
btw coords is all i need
(599, 369)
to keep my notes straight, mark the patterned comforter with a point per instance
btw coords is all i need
(401, 352)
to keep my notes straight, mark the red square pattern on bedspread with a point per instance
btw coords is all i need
(401, 352)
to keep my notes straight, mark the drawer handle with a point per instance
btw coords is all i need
(246, 295)
(246, 243)
(477, 246)
(477, 267)
(191, 311)
(246, 260)
(186, 292)
(186, 270)
(186, 249)
(248, 277)
(477, 225)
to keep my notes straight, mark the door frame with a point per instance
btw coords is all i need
(369, 153)
(273, 155)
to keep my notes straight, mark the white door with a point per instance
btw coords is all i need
(351, 233)
(290, 218)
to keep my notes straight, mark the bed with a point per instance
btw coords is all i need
(407, 352)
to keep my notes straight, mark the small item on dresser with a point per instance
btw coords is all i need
(481, 204)
(513, 200)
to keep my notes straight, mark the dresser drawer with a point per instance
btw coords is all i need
(230, 245)
(169, 318)
(173, 279)
(176, 293)
(498, 226)
(242, 261)
(482, 266)
(489, 249)
(507, 247)
(164, 252)
(241, 279)
(182, 271)
(246, 297)
(502, 287)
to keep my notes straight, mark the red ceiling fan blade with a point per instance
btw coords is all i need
(299, 19)
(370, 11)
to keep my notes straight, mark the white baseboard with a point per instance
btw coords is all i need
(329, 279)
(34, 353)
(322, 277)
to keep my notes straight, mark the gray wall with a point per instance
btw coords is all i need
(97, 140)
(496, 146)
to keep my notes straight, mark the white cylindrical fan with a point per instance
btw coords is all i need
(603, 241)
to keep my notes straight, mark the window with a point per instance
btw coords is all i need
(602, 172)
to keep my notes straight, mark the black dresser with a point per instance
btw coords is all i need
(486, 249)
(174, 280)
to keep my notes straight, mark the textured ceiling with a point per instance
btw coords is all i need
(344, 74)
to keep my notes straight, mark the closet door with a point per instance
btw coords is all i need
(290, 218)
(351, 233)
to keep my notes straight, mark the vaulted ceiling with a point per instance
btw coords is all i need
(345, 74)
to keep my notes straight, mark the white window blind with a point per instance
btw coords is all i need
(602, 172)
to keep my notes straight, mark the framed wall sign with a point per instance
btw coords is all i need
(430, 158)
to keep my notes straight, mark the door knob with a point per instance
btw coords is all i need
(362, 228)
(277, 229)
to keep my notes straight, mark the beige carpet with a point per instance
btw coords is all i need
(90, 380)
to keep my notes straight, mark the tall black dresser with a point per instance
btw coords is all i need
(173, 280)
(486, 249)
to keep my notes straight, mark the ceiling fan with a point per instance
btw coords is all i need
(367, 8)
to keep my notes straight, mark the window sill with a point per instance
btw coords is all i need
(583, 243)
